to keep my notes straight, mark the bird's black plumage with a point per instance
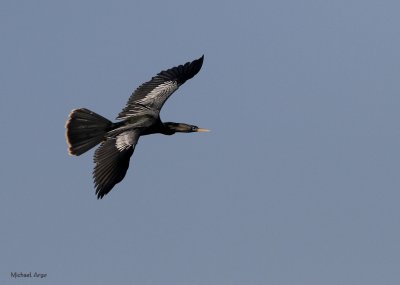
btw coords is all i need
(154, 93)
(141, 116)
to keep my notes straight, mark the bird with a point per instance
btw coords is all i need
(86, 129)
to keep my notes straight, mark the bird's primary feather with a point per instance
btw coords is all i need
(112, 161)
(154, 93)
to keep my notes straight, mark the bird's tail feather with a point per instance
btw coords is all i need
(85, 129)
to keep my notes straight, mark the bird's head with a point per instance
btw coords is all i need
(182, 128)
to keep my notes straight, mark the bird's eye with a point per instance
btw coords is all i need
(194, 128)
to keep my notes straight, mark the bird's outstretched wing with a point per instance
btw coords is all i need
(112, 161)
(153, 94)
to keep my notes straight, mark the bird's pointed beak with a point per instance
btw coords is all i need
(202, 130)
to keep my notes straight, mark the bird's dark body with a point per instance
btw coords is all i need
(153, 126)
(141, 116)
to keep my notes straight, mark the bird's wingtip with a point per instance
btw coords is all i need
(199, 60)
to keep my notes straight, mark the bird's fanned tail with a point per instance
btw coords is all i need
(85, 129)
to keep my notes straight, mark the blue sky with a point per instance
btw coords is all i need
(298, 182)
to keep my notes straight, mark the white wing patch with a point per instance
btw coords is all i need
(158, 95)
(125, 140)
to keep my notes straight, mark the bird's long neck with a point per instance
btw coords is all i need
(159, 128)
(168, 129)
(172, 128)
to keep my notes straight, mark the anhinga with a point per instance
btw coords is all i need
(141, 116)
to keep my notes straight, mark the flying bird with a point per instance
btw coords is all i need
(141, 116)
